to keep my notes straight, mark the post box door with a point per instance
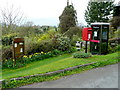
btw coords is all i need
(87, 34)
(18, 46)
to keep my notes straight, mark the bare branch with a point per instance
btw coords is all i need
(11, 16)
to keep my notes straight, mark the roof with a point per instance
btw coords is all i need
(100, 23)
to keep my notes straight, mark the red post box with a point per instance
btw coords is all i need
(87, 34)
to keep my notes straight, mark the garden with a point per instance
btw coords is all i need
(54, 64)
(51, 48)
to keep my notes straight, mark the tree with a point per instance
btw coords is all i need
(68, 18)
(98, 11)
(11, 17)
(115, 22)
(73, 31)
(27, 29)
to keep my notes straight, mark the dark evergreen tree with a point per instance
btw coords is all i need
(115, 22)
(98, 11)
(68, 18)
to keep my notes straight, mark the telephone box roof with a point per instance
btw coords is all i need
(100, 23)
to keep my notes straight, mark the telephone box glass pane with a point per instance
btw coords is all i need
(95, 33)
(104, 34)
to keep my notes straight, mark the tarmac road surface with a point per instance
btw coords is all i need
(103, 77)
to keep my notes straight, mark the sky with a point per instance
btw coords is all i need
(47, 12)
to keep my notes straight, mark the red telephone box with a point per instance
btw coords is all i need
(87, 34)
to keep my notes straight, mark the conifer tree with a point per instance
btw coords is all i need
(68, 18)
(98, 11)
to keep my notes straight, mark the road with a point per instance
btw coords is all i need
(103, 77)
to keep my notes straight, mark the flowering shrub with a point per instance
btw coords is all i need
(7, 40)
(61, 42)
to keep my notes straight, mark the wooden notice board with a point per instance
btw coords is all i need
(18, 47)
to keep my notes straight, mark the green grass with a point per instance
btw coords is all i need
(53, 64)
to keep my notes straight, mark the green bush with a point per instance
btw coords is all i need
(113, 49)
(61, 42)
(118, 48)
(52, 42)
(6, 52)
(7, 40)
(7, 63)
(81, 55)
(74, 39)
(74, 31)
(57, 52)
(71, 50)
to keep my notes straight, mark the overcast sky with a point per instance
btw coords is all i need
(47, 12)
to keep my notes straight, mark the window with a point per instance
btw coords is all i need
(104, 35)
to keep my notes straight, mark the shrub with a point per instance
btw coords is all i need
(7, 40)
(61, 42)
(74, 39)
(45, 46)
(7, 63)
(71, 50)
(113, 49)
(6, 52)
(81, 55)
(56, 52)
(118, 48)
(73, 31)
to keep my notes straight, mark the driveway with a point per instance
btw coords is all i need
(103, 77)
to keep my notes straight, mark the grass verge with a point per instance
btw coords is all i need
(107, 60)
(53, 64)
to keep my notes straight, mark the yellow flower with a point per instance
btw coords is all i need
(37, 53)
(6, 60)
(30, 56)
(25, 56)
(13, 60)
(42, 52)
